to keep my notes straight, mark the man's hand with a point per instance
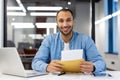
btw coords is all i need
(54, 66)
(86, 67)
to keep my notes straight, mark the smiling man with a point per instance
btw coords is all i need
(49, 54)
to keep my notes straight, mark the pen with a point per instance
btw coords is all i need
(61, 73)
(109, 75)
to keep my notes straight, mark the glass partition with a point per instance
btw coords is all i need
(30, 21)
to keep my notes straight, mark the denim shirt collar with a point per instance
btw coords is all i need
(70, 42)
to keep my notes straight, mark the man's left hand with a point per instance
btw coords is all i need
(86, 67)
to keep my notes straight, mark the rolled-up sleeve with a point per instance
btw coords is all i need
(94, 56)
(41, 59)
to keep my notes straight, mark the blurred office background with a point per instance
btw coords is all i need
(25, 23)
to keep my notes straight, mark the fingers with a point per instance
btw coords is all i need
(56, 63)
(86, 67)
(85, 70)
(55, 66)
(55, 69)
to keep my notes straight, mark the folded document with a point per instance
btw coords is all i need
(71, 54)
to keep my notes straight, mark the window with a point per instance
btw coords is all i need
(111, 6)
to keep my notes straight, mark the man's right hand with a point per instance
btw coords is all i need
(54, 66)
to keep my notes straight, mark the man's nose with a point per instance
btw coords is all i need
(65, 23)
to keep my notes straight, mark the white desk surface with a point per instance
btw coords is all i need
(68, 76)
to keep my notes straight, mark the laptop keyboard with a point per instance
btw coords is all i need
(31, 73)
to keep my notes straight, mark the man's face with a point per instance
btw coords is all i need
(65, 22)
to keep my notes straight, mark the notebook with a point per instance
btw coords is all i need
(11, 64)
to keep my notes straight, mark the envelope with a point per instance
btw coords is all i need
(71, 65)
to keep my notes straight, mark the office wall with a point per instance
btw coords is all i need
(100, 28)
(112, 61)
(1, 23)
(82, 21)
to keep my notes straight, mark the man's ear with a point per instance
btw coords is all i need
(57, 28)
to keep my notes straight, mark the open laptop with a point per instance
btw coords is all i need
(10, 63)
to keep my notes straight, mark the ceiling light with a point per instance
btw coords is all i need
(16, 14)
(103, 19)
(108, 17)
(43, 13)
(14, 8)
(69, 3)
(46, 25)
(116, 13)
(18, 1)
(44, 8)
(23, 25)
(36, 36)
(66, 7)
(21, 5)
(13, 19)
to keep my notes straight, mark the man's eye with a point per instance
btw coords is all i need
(60, 20)
(68, 20)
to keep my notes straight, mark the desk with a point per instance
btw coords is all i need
(68, 76)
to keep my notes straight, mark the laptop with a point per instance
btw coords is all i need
(11, 64)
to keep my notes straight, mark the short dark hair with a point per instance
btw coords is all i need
(64, 9)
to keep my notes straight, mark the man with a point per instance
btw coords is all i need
(49, 54)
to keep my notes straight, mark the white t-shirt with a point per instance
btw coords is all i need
(66, 46)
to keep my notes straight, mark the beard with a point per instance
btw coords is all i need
(66, 34)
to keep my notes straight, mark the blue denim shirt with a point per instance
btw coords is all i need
(53, 44)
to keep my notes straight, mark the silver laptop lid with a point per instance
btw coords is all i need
(10, 62)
